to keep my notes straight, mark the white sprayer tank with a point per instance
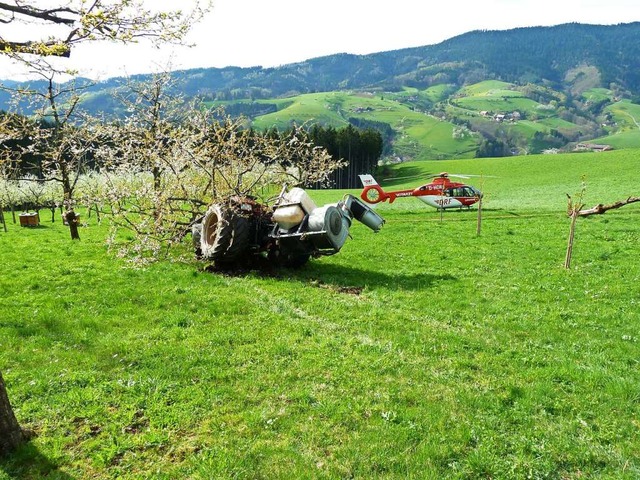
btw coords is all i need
(292, 208)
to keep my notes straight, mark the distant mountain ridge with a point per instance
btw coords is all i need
(522, 55)
(556, 86)
(539, 55)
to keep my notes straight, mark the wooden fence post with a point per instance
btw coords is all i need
(572, 232)
(479, 226)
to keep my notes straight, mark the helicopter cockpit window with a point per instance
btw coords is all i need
(468, 192)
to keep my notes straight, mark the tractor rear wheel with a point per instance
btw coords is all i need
(239, 239)
(225, 235)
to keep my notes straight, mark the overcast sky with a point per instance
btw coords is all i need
(276, 32)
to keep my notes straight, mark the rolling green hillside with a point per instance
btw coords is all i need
(419, 135)
(519, 91)
(626, 115)
(624, 118)
(442, 122)
(322, 108)
(446, 122)
(629, 139)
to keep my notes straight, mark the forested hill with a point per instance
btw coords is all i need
(524, 55)
(559, 57)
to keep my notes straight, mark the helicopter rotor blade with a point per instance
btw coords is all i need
(457, 175)
(429, 176)
(471, 175)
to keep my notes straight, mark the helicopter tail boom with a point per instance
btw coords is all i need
(373, 192)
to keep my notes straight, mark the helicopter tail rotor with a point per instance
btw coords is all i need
(373, 193)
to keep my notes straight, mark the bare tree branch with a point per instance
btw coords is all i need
(600, 208)
(125, 21)
(49, 15)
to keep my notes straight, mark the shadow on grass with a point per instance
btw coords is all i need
(28, 463)
(341, 277)
(344, 277)
(40, 226)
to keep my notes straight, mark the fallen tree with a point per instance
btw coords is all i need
(600, 208)
(575, 210)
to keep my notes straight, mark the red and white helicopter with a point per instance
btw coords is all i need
(441, 193)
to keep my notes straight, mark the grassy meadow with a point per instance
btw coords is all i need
(423, 351)
(627, 117)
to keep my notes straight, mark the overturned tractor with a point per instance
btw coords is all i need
(240, 231)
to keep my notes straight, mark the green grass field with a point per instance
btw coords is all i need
(627, 139)
(597, 94)
(498, 102)
(423, 351)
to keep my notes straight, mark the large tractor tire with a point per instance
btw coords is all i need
(225, 235)
(239, 238)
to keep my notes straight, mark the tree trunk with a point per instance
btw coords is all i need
(575, 210)
(72, 220)
(600, 208)
(11, 435)
(3, 221)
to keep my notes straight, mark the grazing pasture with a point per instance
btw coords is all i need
(423, 351)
